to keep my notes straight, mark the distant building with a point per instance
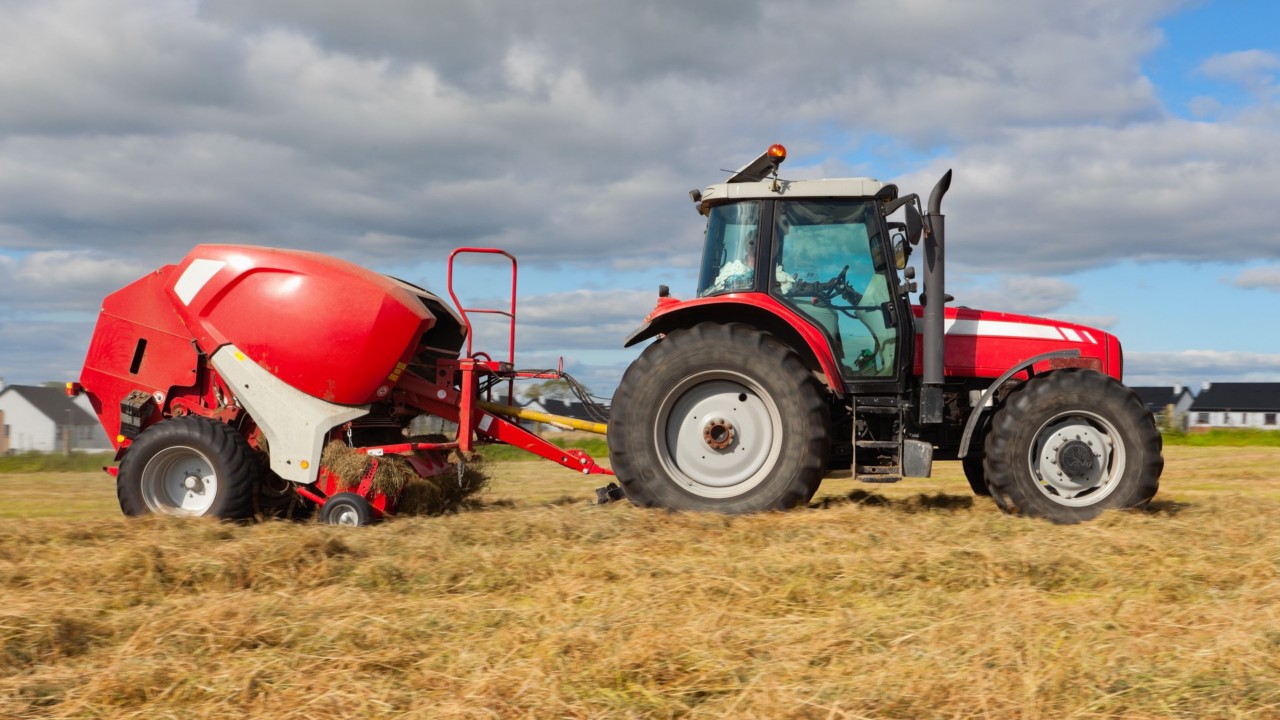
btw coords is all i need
(570, 409)
(1165, 399)
(1236, 405)
(40, 419)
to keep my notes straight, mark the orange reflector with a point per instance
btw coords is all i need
(74, 389)
(777, 152)
(305, 464)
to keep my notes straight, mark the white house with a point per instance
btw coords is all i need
(1236, 405)
(40, 418)
(1160, 399)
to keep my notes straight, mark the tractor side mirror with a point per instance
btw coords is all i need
(898, 236)
(914, 225)
(899, 252)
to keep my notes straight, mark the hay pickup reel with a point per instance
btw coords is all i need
(244, 379)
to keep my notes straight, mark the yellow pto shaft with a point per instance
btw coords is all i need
(521, 413)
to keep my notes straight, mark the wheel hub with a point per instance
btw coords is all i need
(718, 433)
(1076, 458)
(179, 480)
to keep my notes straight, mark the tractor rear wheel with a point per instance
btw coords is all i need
(189, 466)
(720, 418)
(1069, 444)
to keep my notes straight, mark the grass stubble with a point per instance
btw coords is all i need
(908, 601)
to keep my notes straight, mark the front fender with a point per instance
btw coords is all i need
(978, 412)
(757, 310)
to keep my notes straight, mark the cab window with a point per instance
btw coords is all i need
(729, 257)
(829, 264)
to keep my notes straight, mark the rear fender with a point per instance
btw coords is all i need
(757, 310)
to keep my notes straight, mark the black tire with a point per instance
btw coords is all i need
(974, 463)
(755, 432)
(279, 498)
(1071, 443)
(346, 508)
(975, 472)
(221, 471)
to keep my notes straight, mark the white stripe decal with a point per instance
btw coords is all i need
(1000, 328)
(1071, 334)
(198, 273)
(1086, 334)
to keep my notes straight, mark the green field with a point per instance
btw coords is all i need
(908, 601)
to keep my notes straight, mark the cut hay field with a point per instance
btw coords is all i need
(887, 604)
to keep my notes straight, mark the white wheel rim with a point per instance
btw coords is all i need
(718, 468)
(179, 480)
(346, 514)
(1077, 458)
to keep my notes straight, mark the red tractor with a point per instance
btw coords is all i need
(802, 354)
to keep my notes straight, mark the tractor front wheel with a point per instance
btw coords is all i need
(189, 466)
(1069, 444)
(720, 418)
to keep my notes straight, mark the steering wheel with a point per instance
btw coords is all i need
(828, 290)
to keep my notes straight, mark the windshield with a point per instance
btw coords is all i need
(729, 260)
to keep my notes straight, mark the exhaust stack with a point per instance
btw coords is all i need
(934, 300)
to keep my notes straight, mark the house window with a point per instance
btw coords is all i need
(1226, 418)
(1269, 419)
(1202, 418)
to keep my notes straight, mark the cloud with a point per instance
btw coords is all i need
(1020, 294)
(567, 133)
(55, 281)
(1071, 198)
(1266, 277)
(1166, 368)
(1250, 68)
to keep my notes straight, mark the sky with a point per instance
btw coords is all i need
(1116, 163)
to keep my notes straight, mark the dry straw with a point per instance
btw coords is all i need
(443, 493)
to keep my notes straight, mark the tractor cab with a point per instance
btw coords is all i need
(822, 249)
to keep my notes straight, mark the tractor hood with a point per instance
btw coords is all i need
(983, 343)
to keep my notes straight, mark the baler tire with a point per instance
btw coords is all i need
(222, 456)
(278, 498)
(1071, 443)
(346, 508)
(663, 444)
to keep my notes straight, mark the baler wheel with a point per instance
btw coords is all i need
(346, 508)
(721, 418)
(189, 466)
(1071, 443)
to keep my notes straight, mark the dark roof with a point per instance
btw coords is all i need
(53, 403)
(1239, 396)
(1158, 397)
(573, 409)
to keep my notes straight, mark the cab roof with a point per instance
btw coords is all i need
(769, 188)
